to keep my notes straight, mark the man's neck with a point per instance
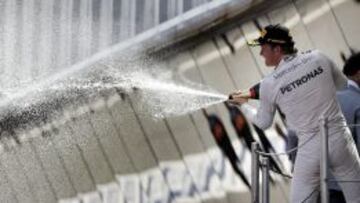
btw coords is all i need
(281, 58)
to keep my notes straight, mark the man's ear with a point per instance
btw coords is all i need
(278, 49)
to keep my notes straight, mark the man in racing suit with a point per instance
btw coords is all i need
(303, 87)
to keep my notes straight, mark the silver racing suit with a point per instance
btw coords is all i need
(304, 87)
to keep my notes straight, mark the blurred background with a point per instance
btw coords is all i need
(122, 100)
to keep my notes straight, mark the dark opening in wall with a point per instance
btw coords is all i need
(187, 5)
(163, 10)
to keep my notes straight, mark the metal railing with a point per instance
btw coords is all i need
(324, 165)
(259, 159)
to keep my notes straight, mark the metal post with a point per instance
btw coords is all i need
(324, 160)
(265, 180)
(254, 173)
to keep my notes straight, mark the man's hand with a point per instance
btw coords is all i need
(238, 98)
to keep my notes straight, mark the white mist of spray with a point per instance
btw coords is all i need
(154, 91)
(161, 98)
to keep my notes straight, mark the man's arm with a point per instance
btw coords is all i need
(340, 79)
(261, 117)
(264, 115)
(357, 128)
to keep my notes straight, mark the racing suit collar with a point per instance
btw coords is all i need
(285, 58)
(351, 83)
